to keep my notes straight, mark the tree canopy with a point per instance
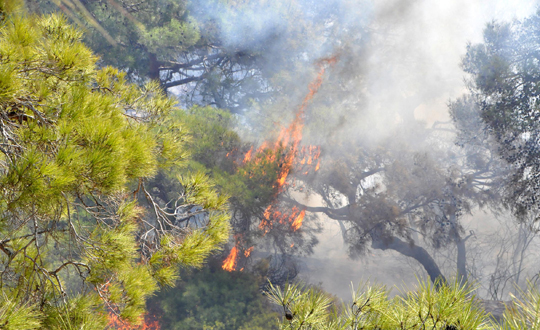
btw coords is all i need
(78, 146)
(504, 86)
(449, 307)
(192, 46)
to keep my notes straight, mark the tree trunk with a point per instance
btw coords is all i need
(410, 250)
(153, 67)
(461, 260)
(461, 252)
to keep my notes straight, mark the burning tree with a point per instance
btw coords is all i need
(390, 194)
(275, 161)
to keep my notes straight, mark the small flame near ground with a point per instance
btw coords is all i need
(289, 139)
(230, 263)
(115, 322)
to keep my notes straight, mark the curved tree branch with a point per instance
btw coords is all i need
(336, 214)
(411, 250)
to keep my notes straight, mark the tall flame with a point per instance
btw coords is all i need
(230, 263)
(289, 139)
(291, 136)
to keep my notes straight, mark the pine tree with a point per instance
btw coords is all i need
(77, 147)
(450, 307)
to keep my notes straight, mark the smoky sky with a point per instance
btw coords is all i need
(408, 51)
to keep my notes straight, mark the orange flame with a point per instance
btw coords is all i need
(265, 221)
(291, 137)
(298, 221)
(308, 156)
(247, 157)
(294, 131)
(230, 263)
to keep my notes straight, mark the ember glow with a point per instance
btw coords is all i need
(230, 263)
(248, 252)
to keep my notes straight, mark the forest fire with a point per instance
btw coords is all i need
(287, 145)
(308, 156)
(231, 262)
(290, 138)
(295, 218)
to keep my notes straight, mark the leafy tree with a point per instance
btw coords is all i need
(78, 145)
(131, 35)
(504, 87)
(212, 298)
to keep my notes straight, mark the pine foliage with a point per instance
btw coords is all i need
(77, 146)
(449, 306)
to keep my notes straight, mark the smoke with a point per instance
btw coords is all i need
(398, 67)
